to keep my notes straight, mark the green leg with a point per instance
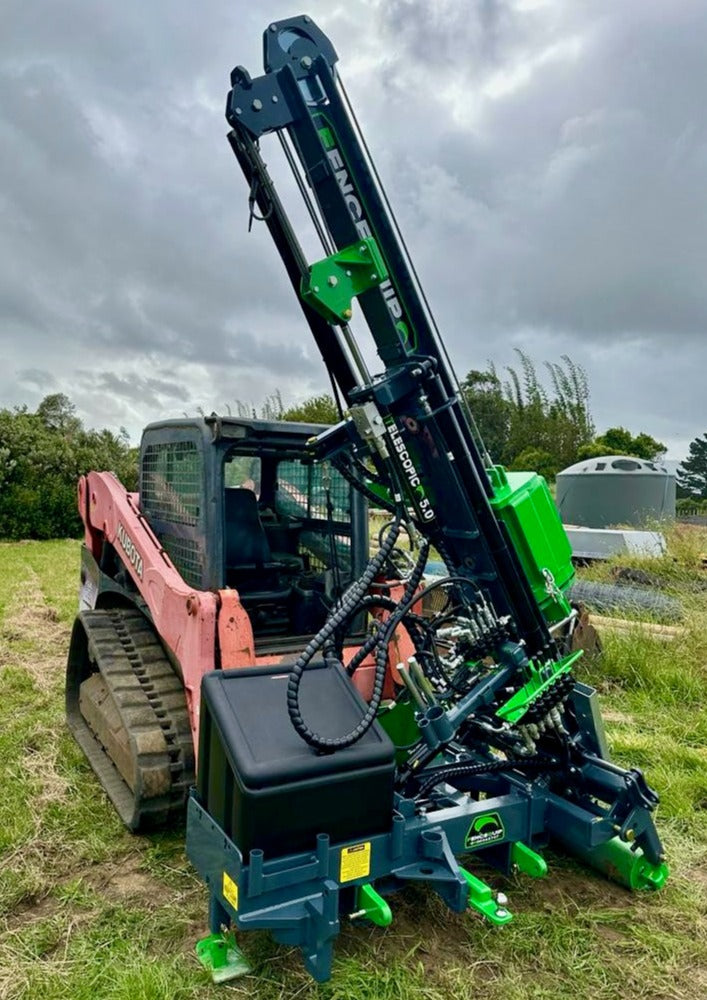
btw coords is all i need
(222, 957)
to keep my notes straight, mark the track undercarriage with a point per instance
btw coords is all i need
(126, 708)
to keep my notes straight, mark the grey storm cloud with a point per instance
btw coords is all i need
(545, 159)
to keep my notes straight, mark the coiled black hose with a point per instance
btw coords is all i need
(347, 606)
(382, 635)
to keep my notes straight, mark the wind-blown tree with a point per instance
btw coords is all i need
(526, 425)
(315, 410)
(692, 474)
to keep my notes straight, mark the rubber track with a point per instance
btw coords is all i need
(150, 700)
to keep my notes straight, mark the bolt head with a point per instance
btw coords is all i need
(274, 98)
(257, 105)
(316, 288)
(630, 836)
(332, 281)
(305, 62)
(239, 111)
(374, 276)
(347, 314)
(502, 899)
(273, 27)
(501, 912)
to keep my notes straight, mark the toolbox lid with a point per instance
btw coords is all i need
(249, 707)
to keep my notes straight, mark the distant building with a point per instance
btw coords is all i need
(615, 490)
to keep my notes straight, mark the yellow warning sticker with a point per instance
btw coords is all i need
(230, 891)
(355, 862)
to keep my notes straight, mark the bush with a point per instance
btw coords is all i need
(42, 456)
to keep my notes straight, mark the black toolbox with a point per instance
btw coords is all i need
(268, 789)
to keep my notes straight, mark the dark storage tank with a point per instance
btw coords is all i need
(613, 490)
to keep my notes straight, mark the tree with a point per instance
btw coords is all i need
(489, 409)
(521, 419)
(58, 413)
(619, 441)
(692, 474)
(315, 410)
(42, 456)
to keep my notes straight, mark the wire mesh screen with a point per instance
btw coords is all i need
(172, 482)
(186, 556)
(302, 493)
(171, 492)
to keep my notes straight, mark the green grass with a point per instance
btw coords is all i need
(88, 911)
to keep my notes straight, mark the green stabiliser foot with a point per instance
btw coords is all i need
(481, 898)
(370, 905)
(617, 861)
(222, 957)
(528, 861)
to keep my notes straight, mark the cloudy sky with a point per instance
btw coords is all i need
(546, 160)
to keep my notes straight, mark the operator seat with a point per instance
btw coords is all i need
(247, 544)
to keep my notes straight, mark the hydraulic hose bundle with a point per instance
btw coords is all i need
(351, 604)
(347, 606)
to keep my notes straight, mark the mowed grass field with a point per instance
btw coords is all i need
(89, 911)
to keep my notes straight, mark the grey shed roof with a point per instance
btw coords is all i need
(615, 465)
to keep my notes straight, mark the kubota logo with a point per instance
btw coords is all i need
(130, 549)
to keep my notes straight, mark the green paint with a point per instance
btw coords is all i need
(541, 679)
(485, 830)
(524, 503)
(221, 956)
(333, 282)
(327, 136)
(410, 342)
(528, 861)
(374, 906)
(399, 722)
(618, 861)
(482, 899)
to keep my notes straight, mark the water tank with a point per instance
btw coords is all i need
(615, 489)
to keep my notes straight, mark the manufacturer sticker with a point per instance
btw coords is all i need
(355, 862)
(230, 891)
(486, 829)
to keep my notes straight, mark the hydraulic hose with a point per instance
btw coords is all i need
(536, 763)
(362, 487)
(347, 606)
(382, 635)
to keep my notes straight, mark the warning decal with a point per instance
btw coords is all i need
(230, 891)
(355, 862)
